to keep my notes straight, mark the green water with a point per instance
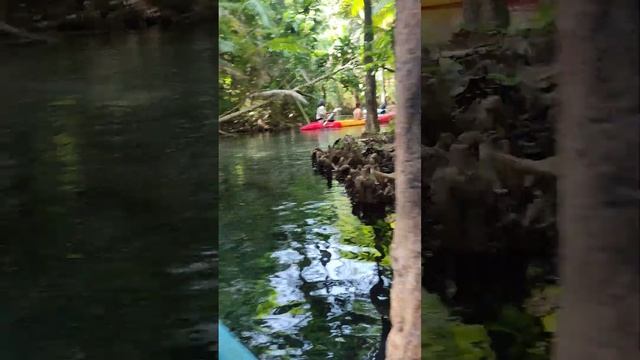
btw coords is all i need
(108, 215)
(300, 276)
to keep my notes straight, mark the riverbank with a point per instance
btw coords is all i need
(365, 167)
(248, 127)
(45, 22)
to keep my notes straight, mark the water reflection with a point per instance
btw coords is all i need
(303, 278)
(108, 218)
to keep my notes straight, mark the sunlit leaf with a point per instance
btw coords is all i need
(289, 44)
(384, 14)
(549, 323)
(356, 7)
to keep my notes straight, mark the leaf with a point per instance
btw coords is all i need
(445, 337)
(503, 79)
(225, 46)
(549, 323)
(356, 7)
(385, 15)
(261, 10)
(227, 5)
(288, 44)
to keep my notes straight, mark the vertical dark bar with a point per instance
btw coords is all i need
(599, 149)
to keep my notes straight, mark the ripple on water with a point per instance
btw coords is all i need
(197, 267)
(286, 322)
(315, 272)
(287, 285)
(284, 206)
(287, 256)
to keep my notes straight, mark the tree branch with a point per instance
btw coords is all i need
(304, 114)
(6, 28)
(309, 83)
(391, 176)
(243, 111)
(253, 107)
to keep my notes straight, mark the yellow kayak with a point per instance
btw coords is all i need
(382, 119)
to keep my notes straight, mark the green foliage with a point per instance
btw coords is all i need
(503, 79)
(521, 334)
(549, 323)
(356, 7)
(545, 15)
(446, 338)
(384, 14)
(261, 11)
(288, 44)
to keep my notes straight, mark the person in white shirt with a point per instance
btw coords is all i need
(321, 111)
(357, 113)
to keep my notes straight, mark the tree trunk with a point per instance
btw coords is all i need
(599, 148)
(404, 339)
(372, 126)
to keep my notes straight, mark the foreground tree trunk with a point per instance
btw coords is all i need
(403, 342)
(599, 150)
(372, 126)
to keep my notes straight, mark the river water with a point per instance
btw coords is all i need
(108, 216)
(301, 277)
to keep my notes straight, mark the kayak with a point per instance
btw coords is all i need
(230, 348)
(317, 125)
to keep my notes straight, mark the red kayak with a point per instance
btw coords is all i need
(317, 125)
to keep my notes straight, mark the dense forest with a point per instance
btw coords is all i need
(278, 59)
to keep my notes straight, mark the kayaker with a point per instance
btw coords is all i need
(392, 107)
(357, 113)
(321, 111)
(330, 118)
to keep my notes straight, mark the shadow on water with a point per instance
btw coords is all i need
(108, 218)
(302, 278)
